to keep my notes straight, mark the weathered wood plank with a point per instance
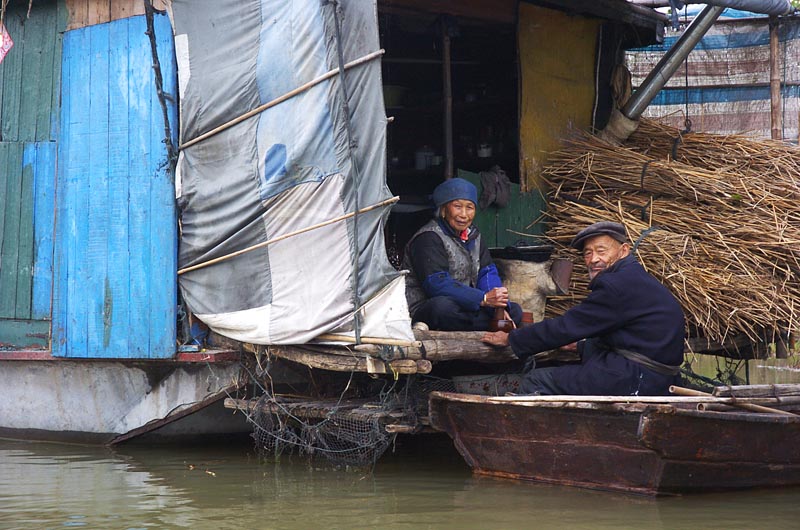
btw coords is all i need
(57, 102)
(98, 299)
(74, 198)
(118, 187)
(339, 363)
(5, 204)
(78, 13)
(29, 77)
(162, 234)
(99, 12)
(44, 181)
(9, 259)
(60, 244)
(47, 69)
(21, 334)
(717, 438)
(124, 8)
(131, 206)
(139, 175)
(24, 273)
(503, 11)
(12, 78)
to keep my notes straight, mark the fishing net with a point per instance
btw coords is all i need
(345, 432)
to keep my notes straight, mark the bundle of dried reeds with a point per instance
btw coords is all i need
(731, 153)
(727, 241)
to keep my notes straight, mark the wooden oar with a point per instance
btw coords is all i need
(681, 391)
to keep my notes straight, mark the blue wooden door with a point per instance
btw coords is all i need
(116, 240)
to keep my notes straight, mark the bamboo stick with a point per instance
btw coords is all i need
(681, 391)
(261, 108)
(788, 401)
(335, 337)
(285, 236)
(768, 391)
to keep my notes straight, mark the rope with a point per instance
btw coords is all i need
(644, 234)
(351, 145)
(644, 171)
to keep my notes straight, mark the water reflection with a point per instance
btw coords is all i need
(423, 486)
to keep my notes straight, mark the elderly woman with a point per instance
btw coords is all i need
(453, 284)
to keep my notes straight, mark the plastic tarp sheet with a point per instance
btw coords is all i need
(310, 159)
(726, 89)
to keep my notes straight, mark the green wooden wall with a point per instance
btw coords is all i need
(502, 227)
(29, 108)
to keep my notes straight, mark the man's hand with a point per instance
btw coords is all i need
(497, 297)
(571, 347)
(497, 338)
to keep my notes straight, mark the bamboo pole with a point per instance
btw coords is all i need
(789, 401)
(261, 108)
(681, 391)
(369, 340)
(285, 236)
(776, 118)
(764, 390)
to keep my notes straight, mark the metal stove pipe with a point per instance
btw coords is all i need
(670, 62)
(766, 7)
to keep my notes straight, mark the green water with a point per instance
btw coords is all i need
(424, 485)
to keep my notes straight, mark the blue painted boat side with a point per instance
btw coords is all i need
(43, 155)
(115, 288)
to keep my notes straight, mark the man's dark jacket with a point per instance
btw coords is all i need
(626, 309)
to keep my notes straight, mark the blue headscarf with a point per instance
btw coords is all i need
(453, 189)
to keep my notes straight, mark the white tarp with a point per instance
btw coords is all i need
(290, 167)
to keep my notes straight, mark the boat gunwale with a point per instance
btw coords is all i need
(680, 405)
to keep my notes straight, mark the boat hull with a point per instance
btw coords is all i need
(652, 449)
(106, 402)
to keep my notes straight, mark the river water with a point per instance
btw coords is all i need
(423, 484)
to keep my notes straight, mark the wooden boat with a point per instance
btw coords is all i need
(644, 445)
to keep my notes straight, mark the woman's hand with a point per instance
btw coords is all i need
(497, 297)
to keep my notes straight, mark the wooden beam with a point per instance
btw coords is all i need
(500, 11)
(347, 363)
(447, 101)
(615, 10)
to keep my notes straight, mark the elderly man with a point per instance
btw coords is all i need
(453, 284)
(630, 328)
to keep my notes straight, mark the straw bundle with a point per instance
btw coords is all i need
(731, 153)
(727, 241)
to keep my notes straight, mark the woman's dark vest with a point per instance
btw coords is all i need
(463, 264)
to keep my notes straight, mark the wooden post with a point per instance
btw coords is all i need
(776, 118)
(447, 92)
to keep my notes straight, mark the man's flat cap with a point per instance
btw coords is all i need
(603, 228)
